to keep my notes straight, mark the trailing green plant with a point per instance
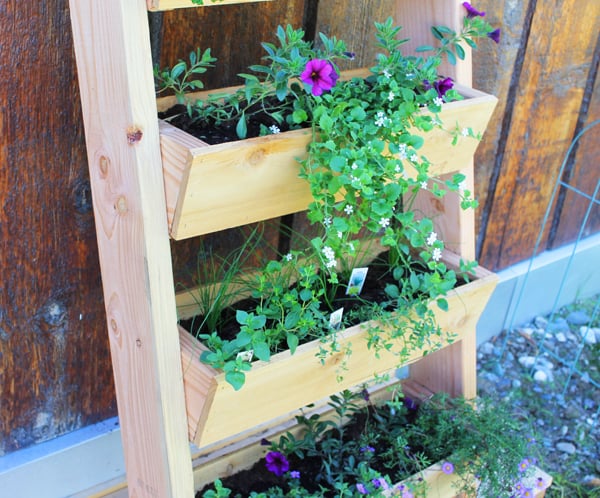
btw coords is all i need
(365, 172)
(383, 449)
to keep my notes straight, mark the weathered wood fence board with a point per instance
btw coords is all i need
(543, 104)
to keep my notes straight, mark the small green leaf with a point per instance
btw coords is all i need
(241, 129)
(236, 379)
(442, 304)
(261, 351)
(292, 342)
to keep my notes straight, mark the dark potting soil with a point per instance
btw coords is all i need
(212, 132)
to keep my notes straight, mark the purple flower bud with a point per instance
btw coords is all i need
(495, 35)
(472, 11)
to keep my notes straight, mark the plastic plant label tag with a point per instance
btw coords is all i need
(335, 319)
(246, 355)
(356, 282)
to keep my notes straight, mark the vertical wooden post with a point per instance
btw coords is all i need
(115, 76)
(454, 368)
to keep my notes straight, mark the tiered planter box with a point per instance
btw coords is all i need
(212, 187)
(288, 382)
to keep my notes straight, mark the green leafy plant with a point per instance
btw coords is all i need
(382, 450)
(364, 170)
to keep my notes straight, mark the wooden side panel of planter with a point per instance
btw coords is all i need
(289, 382)
(156, 5)
(210, 188)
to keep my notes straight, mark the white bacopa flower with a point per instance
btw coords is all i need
(436, 255)
(462, 186)
(354, 166)
(349, 209)
(391, 96)
(331, 263)
(327, 221)
(438, 101)
(424, 184)
(340, 234)
(274, 129)
(387, 74)
(288, 256)
(328, 252)
(398, 168)
(465, 132)
(432, 238)
(384, 222)
(414, 158)
(380, 121)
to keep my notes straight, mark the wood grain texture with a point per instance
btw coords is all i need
(157, 5)
(55, 373)
(538, 127)
(111, 42)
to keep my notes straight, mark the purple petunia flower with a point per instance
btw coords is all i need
(362, 489)
(277, 463)
(320, 75)
(441, 86)
(472, 11)
(447, 468)
(295, 474)
(495, 35)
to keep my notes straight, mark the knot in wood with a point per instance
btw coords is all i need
(134, 135)
(121, 205)
(256, 157)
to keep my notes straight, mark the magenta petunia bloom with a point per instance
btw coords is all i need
(472, 11)
(277, 463)
(320, 75)
(495, 35)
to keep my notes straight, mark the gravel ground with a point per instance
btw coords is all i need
(533, 368)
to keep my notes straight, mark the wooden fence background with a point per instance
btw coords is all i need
(55, 372)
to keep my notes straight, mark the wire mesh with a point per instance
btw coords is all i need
(571, 358)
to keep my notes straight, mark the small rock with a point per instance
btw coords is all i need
(525, 331)
(540, 322)
(558, 325)
(527, 361)
(487, 348)
(566, 447)
(560, 337)
(578, 318)
(591, 481)
(588, 334)
(516, 383)
(540, 376)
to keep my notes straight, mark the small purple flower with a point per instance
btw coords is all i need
(295, 474)
(441, 86)
(320, 75)
(472, 11)
(447, 468)
(350, 55)
(367, 449)
(380, 482)
(277, 463)
(362, 489)
(524, 465)
(495, 35)
(410, 404)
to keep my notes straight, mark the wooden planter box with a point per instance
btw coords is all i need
(212, 187)
(157, 5)
(443, 485)
(216, 411)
